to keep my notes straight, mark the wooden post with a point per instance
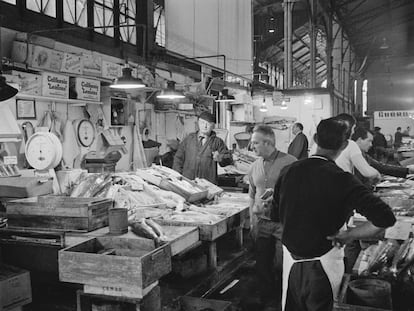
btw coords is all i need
(212, 254)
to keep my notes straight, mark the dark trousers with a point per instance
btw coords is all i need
(269, 263)
(309, 288)
(352, 251)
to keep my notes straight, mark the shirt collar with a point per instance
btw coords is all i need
(272, 157)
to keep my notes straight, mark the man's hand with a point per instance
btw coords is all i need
(377, 178)
(341, 238)
(217, 156)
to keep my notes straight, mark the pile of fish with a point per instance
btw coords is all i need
(212, 189)
(193, 216)
(147, 228)
(91, 185)
(8, 170)
(389, 258)
(165, 173)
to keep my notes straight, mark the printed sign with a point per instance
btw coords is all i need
(396, 114)
(55, 85)
(92, 65)
(72, 63)
(45, 58)
(87, 89)
(111, 70)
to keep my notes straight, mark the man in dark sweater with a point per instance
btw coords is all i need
(313, 199)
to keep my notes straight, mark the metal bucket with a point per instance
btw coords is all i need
(242, 139)
(118, 221)
(370, 293)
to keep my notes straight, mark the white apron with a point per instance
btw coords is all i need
(332, 263)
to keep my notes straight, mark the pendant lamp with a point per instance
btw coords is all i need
(263, 106)
(6, 91)
(126, 81)
(170, 92)
(283, 106)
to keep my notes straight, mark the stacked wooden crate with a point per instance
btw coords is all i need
(116, 268)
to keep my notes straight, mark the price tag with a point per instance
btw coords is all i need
(8, 160)
(400, 231)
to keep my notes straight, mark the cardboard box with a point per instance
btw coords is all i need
(111, 70)
(20, 54)
(86, 89)
(47, 59)
(29, 83)
(55, 85)
(15, 288)
(72, 63)
(92, 65)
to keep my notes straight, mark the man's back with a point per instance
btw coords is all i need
(315, 198)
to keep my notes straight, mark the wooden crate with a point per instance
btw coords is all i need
(24, 187)
(111, 291)
(58, 213)
(15, 287)
(208, 232)
(114, 262)
(198, 304)
(91, 302)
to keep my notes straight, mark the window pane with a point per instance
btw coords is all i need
(75, 12)
(159, 24)
(46, 7)
(9, 1)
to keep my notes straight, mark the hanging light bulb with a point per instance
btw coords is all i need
(384, 45)
(263, 106)
(308, 100)
(283, 106)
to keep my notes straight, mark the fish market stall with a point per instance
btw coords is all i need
(386, 264)
(163, 210)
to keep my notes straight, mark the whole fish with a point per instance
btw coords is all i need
(156, 227)
(400, 255)
(95, 185)
(84, 185)
(141, 229)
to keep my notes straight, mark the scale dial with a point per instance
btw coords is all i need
(86, 133)
(43, 151)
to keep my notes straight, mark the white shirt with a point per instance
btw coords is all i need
(344, 160)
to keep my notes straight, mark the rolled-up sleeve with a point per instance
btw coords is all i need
(367, 204)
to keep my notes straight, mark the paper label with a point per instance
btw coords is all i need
(400, 231)
(8, 160)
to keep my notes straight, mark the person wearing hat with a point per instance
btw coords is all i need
(167, 159)
(199, 152)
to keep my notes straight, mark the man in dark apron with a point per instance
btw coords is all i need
(313, 199)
